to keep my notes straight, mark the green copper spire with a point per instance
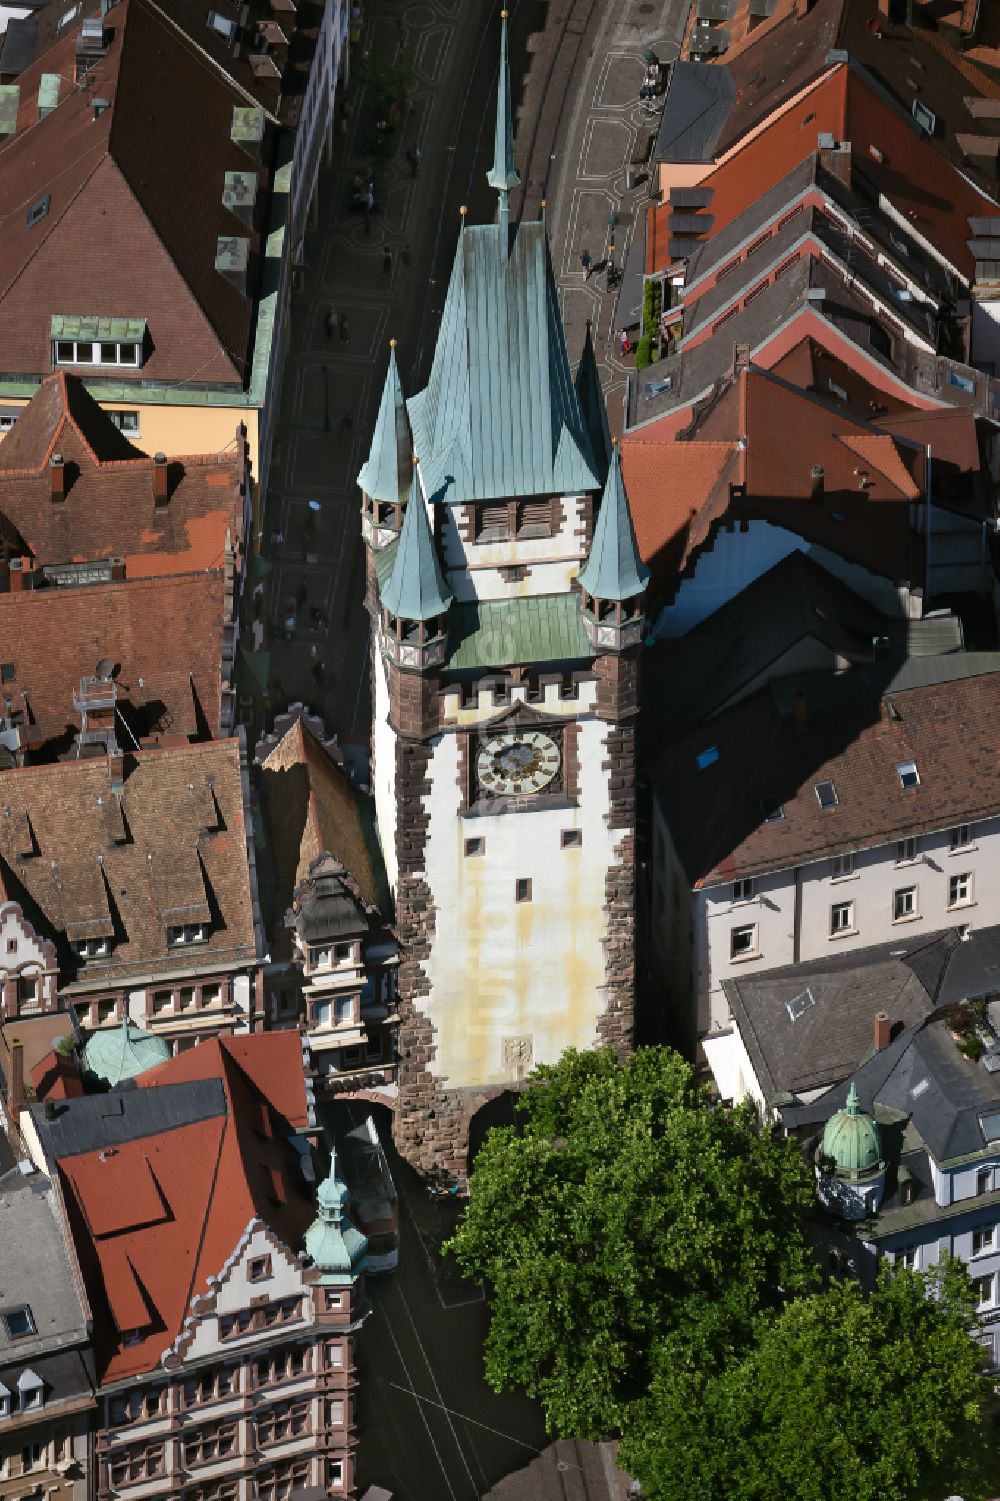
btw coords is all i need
(415, 589)
(503, 174)
(334, 1246)
(614, 569)
(386, 475)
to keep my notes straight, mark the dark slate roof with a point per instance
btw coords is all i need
(697, 105)
(568, 1470)
(500, 416)
(94, 1121)
(828, 1039)
(36, 1272)
(973, 968)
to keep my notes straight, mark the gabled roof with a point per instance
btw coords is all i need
(614, 570)
(164, 635)
(697, 105)
(141, 184)
(388, 470)
(947, 725)
(109, 510)
(165, 1211)
(311, 808)
(415, 588)
(113, 865)
(499, 416)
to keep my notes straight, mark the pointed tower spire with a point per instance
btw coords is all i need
(503, 174)
(591, 398)
(415, 597)
(386, 474)
(614, 577)
(332, 1243)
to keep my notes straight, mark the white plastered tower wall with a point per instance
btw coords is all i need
(384, 769)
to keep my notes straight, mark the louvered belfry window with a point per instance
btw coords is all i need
(497, 522)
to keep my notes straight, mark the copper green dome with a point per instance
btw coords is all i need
(121, 1053)
(332, 1243)
(852, 1140)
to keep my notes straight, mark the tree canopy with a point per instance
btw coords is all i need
(839, 1398)
(626, 1210)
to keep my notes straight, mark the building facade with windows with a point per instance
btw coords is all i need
(506, 593)
(814, 819)
(926, 1181)
(47, 1377)
(230, 1287)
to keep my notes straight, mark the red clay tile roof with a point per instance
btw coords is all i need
(109, 510)
(178, 826)
(949, 729)
(679, 489)
(843, 104)
(809, 365)
(162, 1215)
(138, 187)
(165, 635)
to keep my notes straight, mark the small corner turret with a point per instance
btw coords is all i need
(613, 579)
(385, 476)
(334, 1246)
(414, 599)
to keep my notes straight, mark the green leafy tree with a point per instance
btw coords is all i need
(625, 1211)
(841, 1398)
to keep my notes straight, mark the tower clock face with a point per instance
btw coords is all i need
(520, 762)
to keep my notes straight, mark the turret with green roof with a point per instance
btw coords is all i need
(614, 577)
(850, 1165)
(414, 597)
(385, 475)
(332, 1243)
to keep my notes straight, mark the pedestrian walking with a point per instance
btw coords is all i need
(314, 651)
(332, 322)
(387, 259)
(406, 255)
(414, 157)
(343, 331)
(626, 346)
(587, 262)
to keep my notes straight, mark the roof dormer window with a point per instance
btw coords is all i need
(185, 933)
(31, 1390)
(908, 774)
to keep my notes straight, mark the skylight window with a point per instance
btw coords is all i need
(924, 117)
(222, 25)
(826, 794)
(707, 757)
(67, 16)
(771, 809)
(38, 209)
(800, 1003)
(18, 1322)
(919, 1089)
(908, 774)
(990, 1126)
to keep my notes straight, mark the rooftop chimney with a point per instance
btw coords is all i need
(800, 707)
(16, 1099)
(816, 481)
(58, 471)
(49, 1110)
(161, 479)
(882, 1032)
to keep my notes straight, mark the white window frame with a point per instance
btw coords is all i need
(960, 837)
(744, 890)
(180, 934)
(987, 1236)
(911, 892)
(987, 1173)
(964, 900)
(752, 952)
(128, 353)
(908, 1256)
(907, 851)
(839, 929)
(989, 1299)
(908, 774)
(841, 867)
(122, 419)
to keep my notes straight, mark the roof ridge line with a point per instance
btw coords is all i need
(207, 57)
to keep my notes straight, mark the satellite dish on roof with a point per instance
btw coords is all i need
(105, 669)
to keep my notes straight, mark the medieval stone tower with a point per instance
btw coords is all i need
(506, 592)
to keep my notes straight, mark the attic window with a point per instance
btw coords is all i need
(90, 948)
(921, 1088)
(990, 1127)
(962, 382)
(924, 117)
(826, 794)
(8, 672)
(18, 1322)
(38, 209)
(908, 774)
(67, 16)
(707, 757)
(800, 1003)
(772, 810)
(189, 932)
(222, 25)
